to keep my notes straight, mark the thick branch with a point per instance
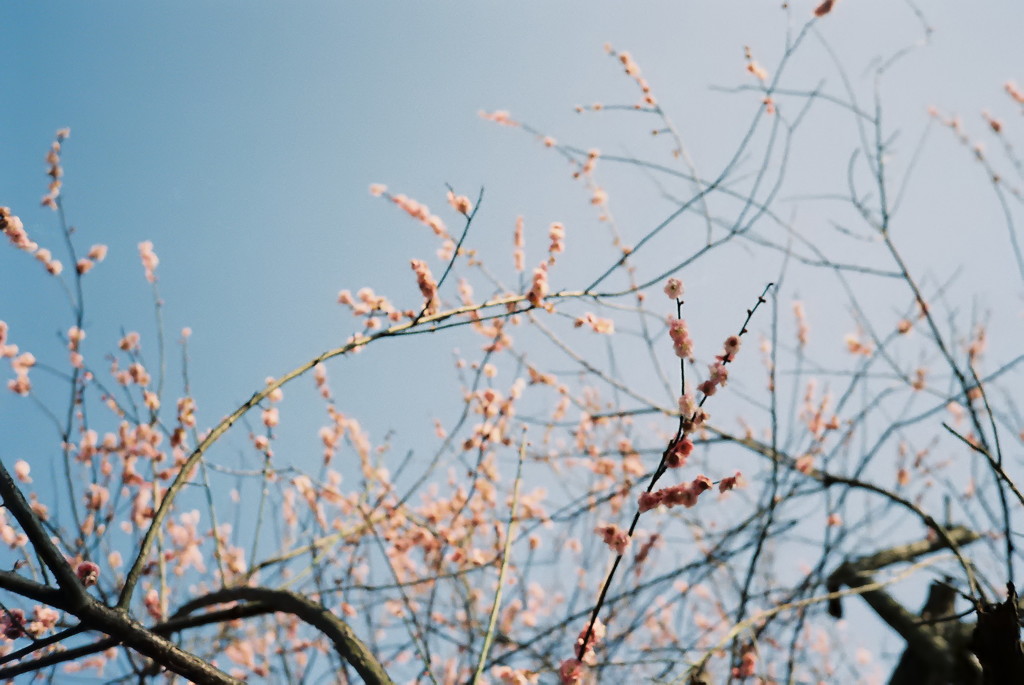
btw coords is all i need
(996, 641)
(164, 629)
(926, 643)
(14, 501)
(346, 644)
(20, 585)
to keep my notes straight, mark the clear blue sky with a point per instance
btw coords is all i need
(241, 137)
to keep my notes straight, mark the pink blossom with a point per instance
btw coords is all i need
(75, 337)
(678, 453)
(427, 285)
(674, 288)
(153, 604)
(571, 672)
(803, 330)
(719, 374)
(650, 500)
(499, 116)
(730, 482)
(687, 405)
(378, 189)
(593, 635)
(275, 395)
(683, 494)
(139, 374)
(519, 242)
(557, 236)
(748, 662)
(44, 621)
(21, 471)
(680, 335)
(151, 400)
(754, 68)
(14, 229)
(460, 203)
(129, 342)
(20, 385)
(539, 287)
(271, 417)
(97, 253)
(186, 412)
(149, 260)
(12, 623)
(596, 323)
(824, 8)
(88, 573)
(96, 497)
(731, 348)
(1014, 92)
(513, 676)
(613, 536)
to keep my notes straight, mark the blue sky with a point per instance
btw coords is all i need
(241, 137)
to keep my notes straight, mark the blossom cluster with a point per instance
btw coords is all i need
(88, 573)
(571, 670)
(557, 236)
(460, 203)
(20, 364)
(748, 662)
(149, 259)
(427, 285)
(499, 116)
(97, 253)
(693, 416)
(15, 231)
(682, 344)
(14, 624)
(596, 323)
(718, 374)
(54, 170)
(632, 70)
(613, 536)
(684, 494)
(518, 243)
(753, 67)
(539, 285)
(422, 213)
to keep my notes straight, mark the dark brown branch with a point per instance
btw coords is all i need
(346, 644)
(20, 585)
(72, 598)
(166, 628)
(14, 501)
(996, 641)
(927, 644)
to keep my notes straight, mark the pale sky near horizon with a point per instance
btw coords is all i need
(240, 137)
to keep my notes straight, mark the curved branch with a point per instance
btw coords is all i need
(346, 644)
(166, 628)
(508, 305)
